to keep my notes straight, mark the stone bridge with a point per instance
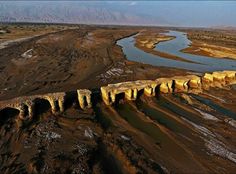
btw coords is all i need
(130, 90)
(26, 104)
(167, 85)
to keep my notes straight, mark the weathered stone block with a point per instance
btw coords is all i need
(129, 94)
(181, 85)
(230, 76)
(207, 78)
(195, 82)
(84, 98)
(219, 76)
(148, 91)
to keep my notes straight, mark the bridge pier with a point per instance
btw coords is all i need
(166, 86)
(135, 94)
(131, 94)
(149, 91)
(84, 98)
(181, 85)
(22, 113)
(26, 110)
(54, 106)
(230, 76)
(113, 97)
(219, 77)
(56, 101)
(61, 105)
(207, 78)
(106, 96)
(195, 82)
(31, 110)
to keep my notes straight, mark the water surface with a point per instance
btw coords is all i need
(174, 46)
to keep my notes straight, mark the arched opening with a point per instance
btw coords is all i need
(85, 101)
(41, 106)
(8, 113)
(188, 84)
(71, 99)
(173, 86)
(157, 90)
(26, 110)
(57, 105)
(120, 98)
(109, 96)
(132, 93)
(96, 97)
(154, 91)
(140, 93)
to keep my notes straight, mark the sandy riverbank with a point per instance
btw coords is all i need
(213, 43)
(147, 41)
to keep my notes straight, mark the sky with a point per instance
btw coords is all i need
(185, 13)
(175, 13)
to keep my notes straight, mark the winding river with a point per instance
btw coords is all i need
(174, 46)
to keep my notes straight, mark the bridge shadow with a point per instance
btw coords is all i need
(96, 97)
(8, 113)
(71, 99)
(157, 91)
(173, 86)
(41, 106)
(120, 98)
(140, 93)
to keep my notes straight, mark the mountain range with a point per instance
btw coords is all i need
(72, 13)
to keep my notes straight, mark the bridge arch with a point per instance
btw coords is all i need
(119, 97)
(54, 104)
(140, 92)
(42, 105)
(8, 113)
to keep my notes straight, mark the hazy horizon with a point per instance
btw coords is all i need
(165, 13)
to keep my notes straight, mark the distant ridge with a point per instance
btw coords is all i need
(58, 13)
(224, 27)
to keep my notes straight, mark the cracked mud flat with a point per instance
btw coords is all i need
(169, 133)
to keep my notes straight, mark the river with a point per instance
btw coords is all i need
(174, 46)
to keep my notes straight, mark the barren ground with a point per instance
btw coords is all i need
(213, 43)
(84, 57)
(179, 133)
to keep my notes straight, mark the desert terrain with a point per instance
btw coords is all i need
(215, 43)
(86, 57)
(172, 132)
